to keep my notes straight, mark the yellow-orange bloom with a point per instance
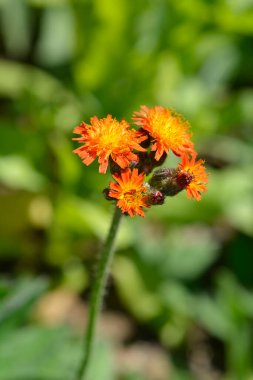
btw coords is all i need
(129, 191)
(196, 175)
(168, 130)
(107, 138)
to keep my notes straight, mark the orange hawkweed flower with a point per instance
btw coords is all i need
(194, 176)
(129, 191)
(105, 138)
(168, 130)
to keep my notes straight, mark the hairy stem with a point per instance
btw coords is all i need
(97, 293)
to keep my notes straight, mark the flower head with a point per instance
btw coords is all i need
(107, 138)
(168, 130)
(192, 175)
(129, 191)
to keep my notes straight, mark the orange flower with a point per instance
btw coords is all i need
(105, 138)
(167, 128)
(130, 192)
(194, 176)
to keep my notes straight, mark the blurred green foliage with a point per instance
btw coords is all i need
(184, 274)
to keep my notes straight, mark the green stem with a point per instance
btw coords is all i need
(97, 292)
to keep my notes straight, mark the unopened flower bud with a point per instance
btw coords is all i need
(170, 181)
(183, 178)
(163, 179)
(155, 197)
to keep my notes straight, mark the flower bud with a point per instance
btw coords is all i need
(155, 197)
(183, 178)
(170, 181)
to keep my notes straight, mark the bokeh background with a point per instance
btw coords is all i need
(179, 303)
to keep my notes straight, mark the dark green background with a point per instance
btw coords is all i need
(180, 296)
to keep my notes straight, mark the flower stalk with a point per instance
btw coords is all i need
(97, 293)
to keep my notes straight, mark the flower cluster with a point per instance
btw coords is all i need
(133, 154)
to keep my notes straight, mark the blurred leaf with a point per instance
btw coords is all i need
(68, 165)
(245, 102)
(177, 298)
(133, 376)
(189, 252)
(234, 21)
(96, 64)
(179, 305)
(48, 353)
(56, 43)
(235, 193)
(231, 150)
(209, 313)
(237, 300)
(236, 303)
(16, 79)
(102, 364)
(184, 251)
(47, 3)
(35, 360)
(21, 295)
(81, 214)
(183, 375)
(17, 173)
(131, 288)
(15, 27)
